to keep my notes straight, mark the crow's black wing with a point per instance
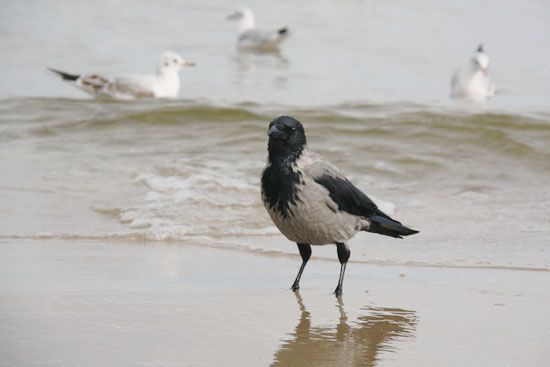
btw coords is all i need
(353, 201)
(348, 197)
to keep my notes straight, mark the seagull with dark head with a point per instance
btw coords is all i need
(312, 202)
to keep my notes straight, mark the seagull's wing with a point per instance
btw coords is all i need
(262, 38)
(124, 88)
(351, 200)
(99, 85)
(94, 84)
(256, 37)
(132, 87)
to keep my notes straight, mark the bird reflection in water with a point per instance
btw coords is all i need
(357, 343)
(249, 62)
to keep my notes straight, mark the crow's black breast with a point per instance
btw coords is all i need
(280, 187)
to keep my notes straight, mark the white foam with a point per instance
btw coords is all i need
(181, 198)
(385, 166)
(161, 183)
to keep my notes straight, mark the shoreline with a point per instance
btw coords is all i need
(263, 252)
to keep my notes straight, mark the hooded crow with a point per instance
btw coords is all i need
(312, 202)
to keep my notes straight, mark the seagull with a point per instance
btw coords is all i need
(311, 201)
(472, 82)
(165, 83)
(256, 39)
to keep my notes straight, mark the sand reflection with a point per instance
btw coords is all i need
(357, 343)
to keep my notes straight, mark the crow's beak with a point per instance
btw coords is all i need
(275, 133)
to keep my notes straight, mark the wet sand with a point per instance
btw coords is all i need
(98, 303)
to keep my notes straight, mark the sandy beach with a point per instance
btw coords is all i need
(94, 303)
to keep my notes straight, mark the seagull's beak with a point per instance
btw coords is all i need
(187, 63)
(275, 133)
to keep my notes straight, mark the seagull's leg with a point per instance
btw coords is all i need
(305, 252)
(343, 256)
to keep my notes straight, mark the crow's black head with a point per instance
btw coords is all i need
(286, 138)
(279, 180)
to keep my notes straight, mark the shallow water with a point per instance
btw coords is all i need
(474, 184)
(368, 80)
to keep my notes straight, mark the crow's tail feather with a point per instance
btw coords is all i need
(64, 75)
(383, 224)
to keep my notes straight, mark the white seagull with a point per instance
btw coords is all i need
(165, 83)
(252, 38)
(472, 82)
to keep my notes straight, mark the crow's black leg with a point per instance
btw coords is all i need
(343, 256)
(305, 252)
